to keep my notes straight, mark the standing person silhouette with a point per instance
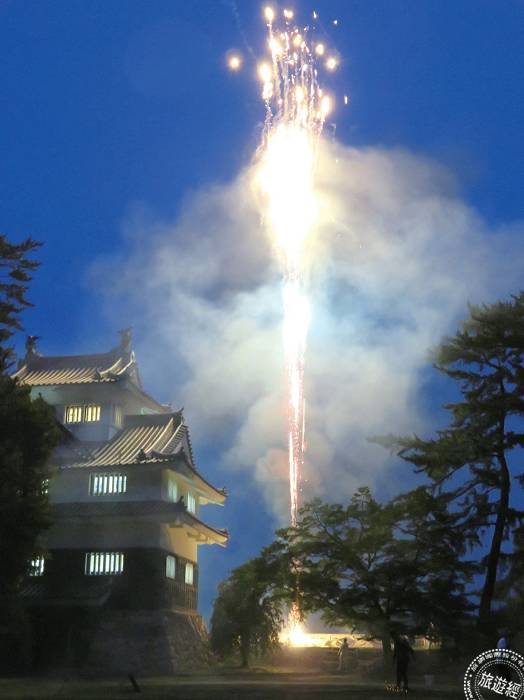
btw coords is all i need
(402, 654)
(343, 656)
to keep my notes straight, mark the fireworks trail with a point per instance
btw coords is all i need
(295, 112)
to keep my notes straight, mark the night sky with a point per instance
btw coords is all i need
(112, 105)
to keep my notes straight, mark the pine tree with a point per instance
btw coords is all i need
(469, 460)
(16, 268)
(29, 435)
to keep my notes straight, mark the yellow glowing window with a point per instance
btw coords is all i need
(191, 503)
(37, 566)
(92, 413)
(73, 414)
(170, 566)
(107, 484)
(189, 573)
(104, 563)
(172, 489)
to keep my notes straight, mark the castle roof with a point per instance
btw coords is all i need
(37, 370)
(161, 438)
(117, 365)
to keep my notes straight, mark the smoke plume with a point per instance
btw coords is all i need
(397, 256)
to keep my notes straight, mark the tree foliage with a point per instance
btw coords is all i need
(29, 433)
(16, 268)
(246, 618)
(469, 460)
(379, 568)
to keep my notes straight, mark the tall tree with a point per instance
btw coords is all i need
(16, 268)
(469, 460)
(378, 568)
(245, 617)
(29, 434)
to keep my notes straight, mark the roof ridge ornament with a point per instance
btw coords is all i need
(126, 339)
(30, 348)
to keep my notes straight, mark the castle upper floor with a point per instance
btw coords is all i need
(91, 394)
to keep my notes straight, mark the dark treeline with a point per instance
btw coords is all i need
(28, 436)
(414, 565)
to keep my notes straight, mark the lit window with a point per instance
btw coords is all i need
(104, 563)
(172, 489)
(73, 414)
(37, 566)
(91, 413)
(170, 566)
(107, 484)
(189, 573)
(191, 503)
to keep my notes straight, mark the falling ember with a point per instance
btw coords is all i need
(234, 62)
(295, 113)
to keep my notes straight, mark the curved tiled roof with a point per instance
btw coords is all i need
(38, 370)
(140, 436)
(148, 439)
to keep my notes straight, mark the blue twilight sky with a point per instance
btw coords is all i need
(106, 104)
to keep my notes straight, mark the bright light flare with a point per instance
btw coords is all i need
(331, 63)
(320, 49)
(286, 179)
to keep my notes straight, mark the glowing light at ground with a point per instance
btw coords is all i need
(285, 176)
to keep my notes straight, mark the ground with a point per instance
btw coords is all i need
(233, 686)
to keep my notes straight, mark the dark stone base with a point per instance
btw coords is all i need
(147, 642)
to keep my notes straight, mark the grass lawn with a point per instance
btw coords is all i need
(239, 686)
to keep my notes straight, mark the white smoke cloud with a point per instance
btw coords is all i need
(397, 257)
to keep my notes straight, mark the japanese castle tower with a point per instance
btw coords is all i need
(118, 587)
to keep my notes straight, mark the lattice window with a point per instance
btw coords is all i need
(107, 484)
(89, 413)
(73, 414)
(92, 413)
(37, 566)
(104, 563)
(189, 573)
(118, 416)
(172, 489)
(170, 566)
(191, 503)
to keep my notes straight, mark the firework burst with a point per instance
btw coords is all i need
(295, 112)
